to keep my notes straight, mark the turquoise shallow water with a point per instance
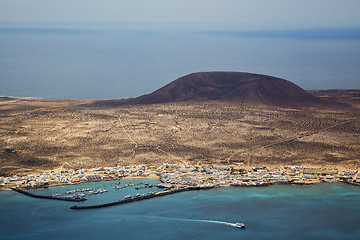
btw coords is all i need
(322, 211)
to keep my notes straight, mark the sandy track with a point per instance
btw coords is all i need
(51, 134)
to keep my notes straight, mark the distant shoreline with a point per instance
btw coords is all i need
(312, 91)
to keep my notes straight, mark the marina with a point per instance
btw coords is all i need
(136, 193)
(80, 193)
(140, 197)
(127, 185)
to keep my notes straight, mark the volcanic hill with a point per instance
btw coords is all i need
(238, 87)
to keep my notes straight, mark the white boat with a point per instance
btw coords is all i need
(239, 225)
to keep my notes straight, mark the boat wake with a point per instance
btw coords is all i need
(218, 222)
(230, 224)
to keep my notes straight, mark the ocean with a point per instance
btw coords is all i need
(99, 61)
(119, 61)
(320, 211)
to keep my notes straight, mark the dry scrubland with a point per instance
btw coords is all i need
(50, 134)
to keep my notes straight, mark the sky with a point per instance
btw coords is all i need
(126, 48)
(248, 14)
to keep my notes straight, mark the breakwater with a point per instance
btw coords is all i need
(140, 197)
(49, 197)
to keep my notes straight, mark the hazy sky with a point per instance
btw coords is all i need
(251, 13)
(101, 49)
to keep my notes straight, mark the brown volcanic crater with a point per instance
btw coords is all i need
(228, 86)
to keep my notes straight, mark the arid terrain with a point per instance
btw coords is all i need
(48, 134)
(219, 118)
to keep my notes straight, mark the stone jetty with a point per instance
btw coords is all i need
(49, 197)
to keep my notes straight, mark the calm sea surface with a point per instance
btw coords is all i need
(321, 211)
(105, 62)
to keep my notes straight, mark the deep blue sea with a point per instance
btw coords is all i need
(321, 211)
(84, 61)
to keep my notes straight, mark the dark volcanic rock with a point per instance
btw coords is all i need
(229, 86)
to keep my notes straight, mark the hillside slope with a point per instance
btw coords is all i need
(228, 86)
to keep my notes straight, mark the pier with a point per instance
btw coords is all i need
(49, 197)
(140, 197)
(127, 185)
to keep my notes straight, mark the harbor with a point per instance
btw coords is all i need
(140, 197)
(131, 192)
